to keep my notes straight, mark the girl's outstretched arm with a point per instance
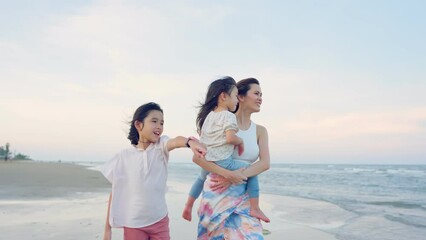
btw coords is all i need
(107, 232)
(264, 159)
(179, 142)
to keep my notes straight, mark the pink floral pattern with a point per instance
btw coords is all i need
(226, 215)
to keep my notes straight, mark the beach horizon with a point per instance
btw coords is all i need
(54, 200)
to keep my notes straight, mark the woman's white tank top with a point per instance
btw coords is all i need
(251, 148)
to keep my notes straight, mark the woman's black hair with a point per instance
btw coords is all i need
(140, 114)
(225, 84)
(244, 86)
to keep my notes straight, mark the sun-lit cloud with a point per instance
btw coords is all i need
(364, 123)
(369, 134)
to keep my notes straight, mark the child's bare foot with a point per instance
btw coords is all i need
(257, 213)
(187, 213)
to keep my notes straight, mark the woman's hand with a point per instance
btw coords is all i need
(219, 183)
(236, 177)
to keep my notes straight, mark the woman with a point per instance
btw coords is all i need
(224, 208)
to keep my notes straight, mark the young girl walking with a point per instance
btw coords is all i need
(138, 175)
(217, 126)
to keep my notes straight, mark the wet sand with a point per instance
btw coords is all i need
(41, 201)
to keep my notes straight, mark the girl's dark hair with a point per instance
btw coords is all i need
(225, 84)
(244, 86)
(140, 114)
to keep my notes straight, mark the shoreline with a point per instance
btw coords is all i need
(69, 201)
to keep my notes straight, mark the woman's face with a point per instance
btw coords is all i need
(253, 99)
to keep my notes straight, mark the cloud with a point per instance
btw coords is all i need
(75, 79)
(368, 133)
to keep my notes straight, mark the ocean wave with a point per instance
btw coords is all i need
(402, 171)
(359, 170)
(399, 204)
(410, 220)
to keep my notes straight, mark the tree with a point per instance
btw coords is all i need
(20, 156)
(2, 152)
(6, 154)
(7, 151)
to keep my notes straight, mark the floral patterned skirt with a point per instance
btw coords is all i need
(225, 215)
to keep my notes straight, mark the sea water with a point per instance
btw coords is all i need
(386, 202)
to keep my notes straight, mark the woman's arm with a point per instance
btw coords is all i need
(233, 176)
(107, 231)
(264, 160)
(256, 168)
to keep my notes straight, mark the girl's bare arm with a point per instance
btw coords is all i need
(107, 231)
(179, 142)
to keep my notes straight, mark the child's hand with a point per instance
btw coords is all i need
(240, 148)
(199, 149)
(201, 152)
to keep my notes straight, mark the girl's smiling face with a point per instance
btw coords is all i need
(152, 127)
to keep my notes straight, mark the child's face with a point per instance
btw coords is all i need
(232, 100)
(152, 127)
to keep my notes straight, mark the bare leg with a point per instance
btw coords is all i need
(187, 211)
(255, 210)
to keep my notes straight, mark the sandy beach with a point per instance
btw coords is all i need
(42, 201)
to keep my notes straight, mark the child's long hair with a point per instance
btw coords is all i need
(140, 114)
(225, 84)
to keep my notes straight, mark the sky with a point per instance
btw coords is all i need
(342, 81)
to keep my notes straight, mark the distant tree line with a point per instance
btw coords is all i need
(6, 154)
